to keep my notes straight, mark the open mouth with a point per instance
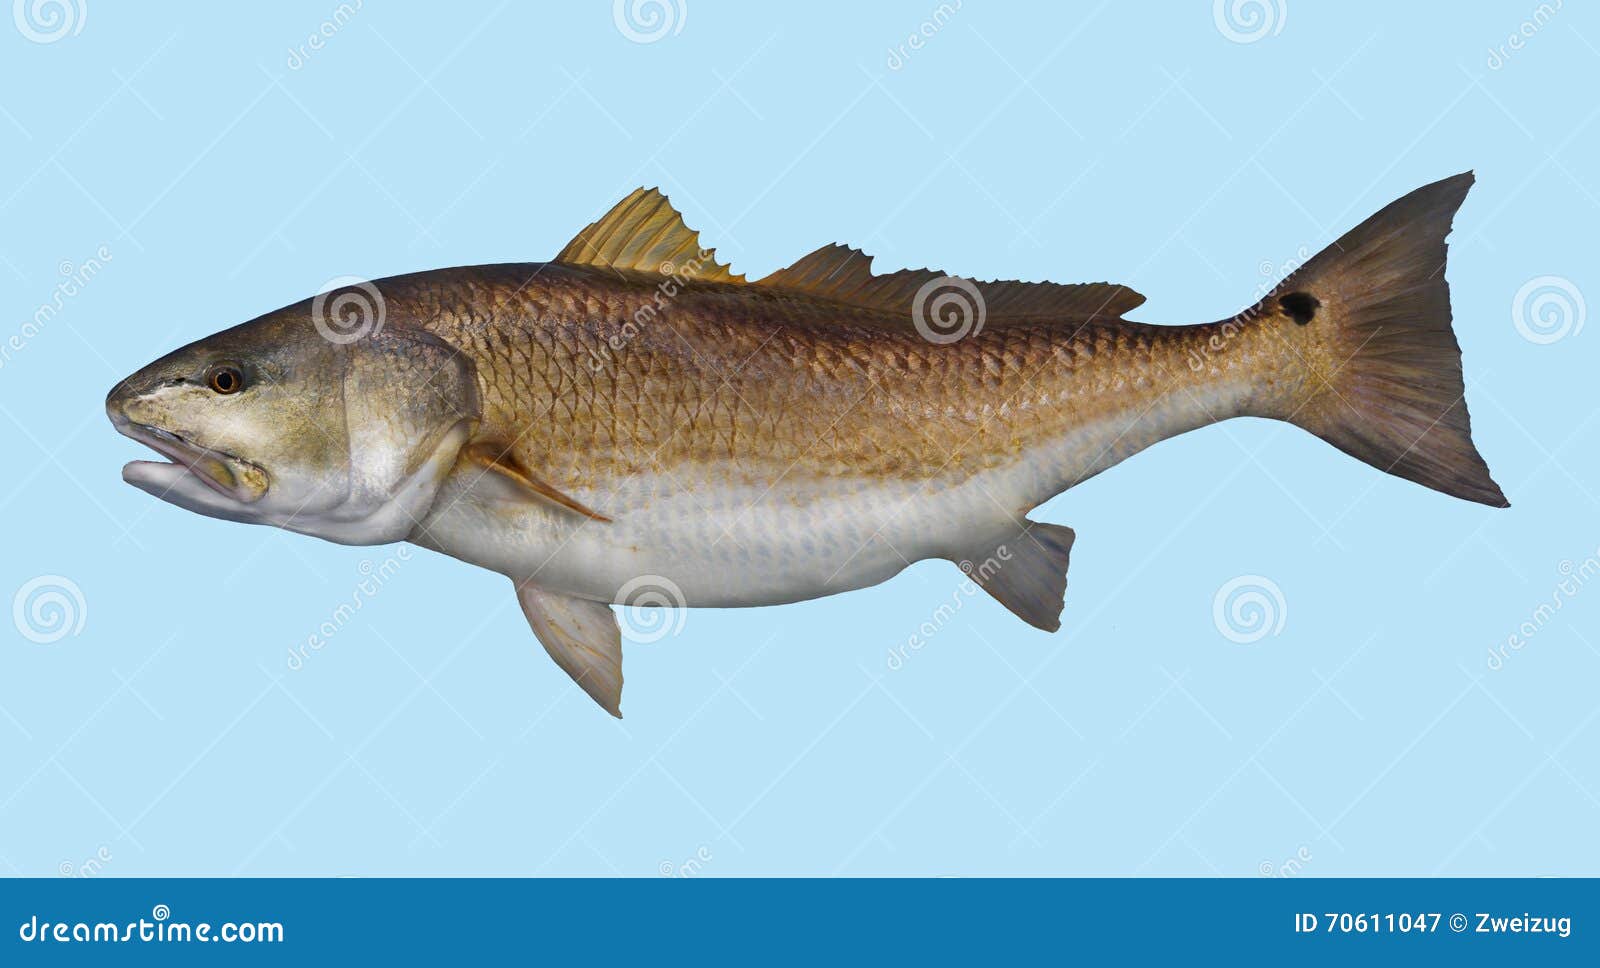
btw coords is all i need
(224, 473)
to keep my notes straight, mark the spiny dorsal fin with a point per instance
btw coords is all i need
(845, 274)
(644, 233)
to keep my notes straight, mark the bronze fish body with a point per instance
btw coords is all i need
(633, 415)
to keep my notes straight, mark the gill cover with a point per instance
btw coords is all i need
(410, 405)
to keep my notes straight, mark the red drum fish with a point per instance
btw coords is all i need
(634, 411)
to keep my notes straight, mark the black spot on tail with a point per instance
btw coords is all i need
(1299, 306)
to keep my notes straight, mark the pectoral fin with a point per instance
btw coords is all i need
(582, 636)
(1026, 572)
(499, 460)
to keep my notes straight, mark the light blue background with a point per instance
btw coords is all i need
(1133, 143)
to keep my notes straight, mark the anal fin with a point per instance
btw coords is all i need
(583, 637)
(1026, 572)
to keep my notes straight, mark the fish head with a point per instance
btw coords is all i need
(250, 422)
(278, 422)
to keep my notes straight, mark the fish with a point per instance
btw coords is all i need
(632, 422)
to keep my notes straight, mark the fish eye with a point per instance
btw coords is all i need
(225, 379)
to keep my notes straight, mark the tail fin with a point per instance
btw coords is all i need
(1385, 383)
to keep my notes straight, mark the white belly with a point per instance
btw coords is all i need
(718, 545)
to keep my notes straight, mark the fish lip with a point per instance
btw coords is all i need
(245, 483)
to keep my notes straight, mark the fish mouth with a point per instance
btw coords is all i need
(230, 476)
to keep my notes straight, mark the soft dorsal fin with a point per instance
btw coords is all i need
(644, 233)
(841, 273)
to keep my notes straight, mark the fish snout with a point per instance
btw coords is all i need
(117, 404)
(135, 401)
